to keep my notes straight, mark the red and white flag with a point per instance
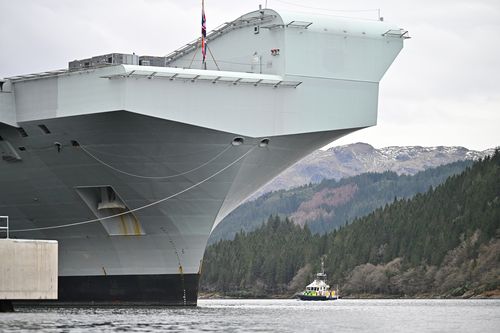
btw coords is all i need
(203, 31)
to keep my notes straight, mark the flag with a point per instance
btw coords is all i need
(203, 31)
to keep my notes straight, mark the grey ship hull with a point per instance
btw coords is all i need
(130, 166)
(162, 265)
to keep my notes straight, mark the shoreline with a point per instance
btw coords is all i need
(492, 294)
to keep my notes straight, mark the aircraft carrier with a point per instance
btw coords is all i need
(130, 161)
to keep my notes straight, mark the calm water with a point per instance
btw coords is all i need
(268, 315)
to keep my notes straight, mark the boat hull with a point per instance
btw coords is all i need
(154, 256)
(315, 298)
(131, 167)
(156, 289)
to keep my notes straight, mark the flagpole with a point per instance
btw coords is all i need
(203, 35)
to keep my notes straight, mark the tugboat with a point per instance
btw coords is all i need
(318, 290)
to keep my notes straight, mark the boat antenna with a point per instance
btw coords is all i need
(323, 265)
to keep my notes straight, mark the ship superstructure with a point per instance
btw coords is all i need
(130, 161)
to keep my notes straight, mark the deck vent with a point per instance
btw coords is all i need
(238, 141)
(263, 143)
(22, 132)
(75, 143)
(22, 148)
(44, 129)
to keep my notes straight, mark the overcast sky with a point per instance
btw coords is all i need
(442, 89)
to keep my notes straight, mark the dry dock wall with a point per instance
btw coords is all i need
(28, 269)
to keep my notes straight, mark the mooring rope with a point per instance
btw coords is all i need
(142, 207)
(95, 149)
(153, 177)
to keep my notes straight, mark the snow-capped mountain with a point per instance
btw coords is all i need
(357, 158)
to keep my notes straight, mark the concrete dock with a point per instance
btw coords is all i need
(28, 271)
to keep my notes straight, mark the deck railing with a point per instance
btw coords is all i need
(6, 228)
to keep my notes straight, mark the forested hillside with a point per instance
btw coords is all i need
(443, 242)
(332, 203)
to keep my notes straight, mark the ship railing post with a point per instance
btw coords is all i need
(6, 228)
